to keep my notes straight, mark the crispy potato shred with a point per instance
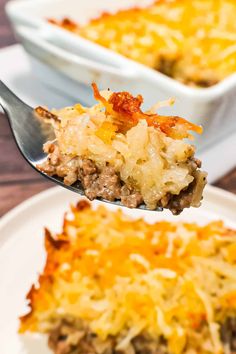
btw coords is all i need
(66, 23)
(126, 110)
(174, 280)
(45, 114)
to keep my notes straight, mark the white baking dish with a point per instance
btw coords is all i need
(70, 63)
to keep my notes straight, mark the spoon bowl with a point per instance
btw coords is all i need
(31, 133)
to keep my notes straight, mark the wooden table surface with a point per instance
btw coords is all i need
(18, 181)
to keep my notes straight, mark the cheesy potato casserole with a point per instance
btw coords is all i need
(112, 284)
(193, 41)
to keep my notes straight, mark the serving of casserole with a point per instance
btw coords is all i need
(116, 151)
(112, 284)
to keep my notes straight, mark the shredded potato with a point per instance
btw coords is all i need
(199, 52)
(124, 277)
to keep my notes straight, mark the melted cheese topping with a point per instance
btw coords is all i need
(123, 277)
(191, 41)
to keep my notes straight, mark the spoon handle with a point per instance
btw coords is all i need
(10, 103)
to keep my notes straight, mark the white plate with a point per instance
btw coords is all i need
(22, 255)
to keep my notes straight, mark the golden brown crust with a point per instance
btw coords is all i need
(126, 104)
(127, 112)
(99, 249)
(52, 245)
(65, 23)
(82, 205)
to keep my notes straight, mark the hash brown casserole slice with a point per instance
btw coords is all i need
(118, 152)
(112, 284)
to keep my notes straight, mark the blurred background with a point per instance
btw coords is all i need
(18, 181)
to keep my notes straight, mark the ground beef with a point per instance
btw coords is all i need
(166, 65)
(143, 344)
(228, 333)
(201, 82)
(88, 167)
(130, 198)
(191, 196)
(72, 338)
(169, 66)
(106, 183)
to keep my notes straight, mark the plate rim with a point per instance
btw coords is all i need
(210, 192)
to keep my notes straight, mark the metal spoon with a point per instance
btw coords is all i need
(29, 134)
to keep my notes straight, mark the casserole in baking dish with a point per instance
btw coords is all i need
(191, 41)
(69, 63)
